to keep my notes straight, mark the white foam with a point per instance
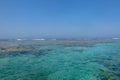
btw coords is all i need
(39, 39)
(115, 38)
(19, 39)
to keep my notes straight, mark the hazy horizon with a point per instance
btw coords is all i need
(59, 19)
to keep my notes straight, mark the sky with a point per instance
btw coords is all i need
(59, 18)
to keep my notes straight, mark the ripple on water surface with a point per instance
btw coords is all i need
(100, 62)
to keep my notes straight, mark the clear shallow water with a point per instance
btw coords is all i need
(100, 62)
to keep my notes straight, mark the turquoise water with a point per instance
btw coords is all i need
(59, 62)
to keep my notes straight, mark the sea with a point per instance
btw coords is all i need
(60, 60)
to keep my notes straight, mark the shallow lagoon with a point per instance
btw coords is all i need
(100, 61)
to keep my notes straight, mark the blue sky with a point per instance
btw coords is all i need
(59, 18)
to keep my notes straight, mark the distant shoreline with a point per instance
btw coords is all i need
(42, 39)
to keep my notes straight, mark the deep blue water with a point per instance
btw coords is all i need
(99, 62)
